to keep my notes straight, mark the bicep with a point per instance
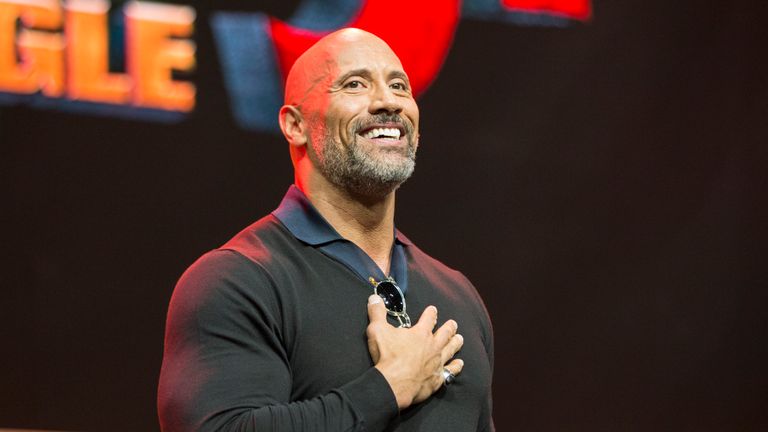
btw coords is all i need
(226, 367)
(223, 351)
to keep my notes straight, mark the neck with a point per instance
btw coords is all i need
(367, 222)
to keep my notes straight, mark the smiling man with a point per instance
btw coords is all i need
(272, 332)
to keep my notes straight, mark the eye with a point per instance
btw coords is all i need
(398, 86)
(353, 84)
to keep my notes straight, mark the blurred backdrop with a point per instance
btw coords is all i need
(598, 172)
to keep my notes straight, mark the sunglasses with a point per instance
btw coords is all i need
(393, 298)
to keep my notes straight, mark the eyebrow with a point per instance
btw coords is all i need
(399, 74)
(365, 73)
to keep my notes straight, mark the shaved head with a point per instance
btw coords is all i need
(350, 116)
(319, 62)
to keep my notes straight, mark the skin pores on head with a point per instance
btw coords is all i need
(350, 116)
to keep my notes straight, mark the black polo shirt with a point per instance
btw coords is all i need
(303, 220)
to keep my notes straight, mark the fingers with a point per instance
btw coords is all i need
(445, 338)
(446, 332)
(455, 366)
(376, 310)
(428, 318)
(451, 348)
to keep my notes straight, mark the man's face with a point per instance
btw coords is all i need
(364, 128)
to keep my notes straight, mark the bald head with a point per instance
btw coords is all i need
(321, 61)
(349, 116)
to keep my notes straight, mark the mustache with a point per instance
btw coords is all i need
(362, 124)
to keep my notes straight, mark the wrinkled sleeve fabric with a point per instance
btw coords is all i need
(226, 368)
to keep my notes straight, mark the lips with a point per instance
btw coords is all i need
(383, 131)
(391, 133)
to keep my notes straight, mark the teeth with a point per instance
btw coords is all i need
(393, 133)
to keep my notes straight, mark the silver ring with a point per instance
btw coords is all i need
(448, 377)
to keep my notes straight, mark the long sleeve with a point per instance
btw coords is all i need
(226, 366)
(486, 415)
(485, 419)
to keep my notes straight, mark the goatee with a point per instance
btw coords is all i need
(364, 170)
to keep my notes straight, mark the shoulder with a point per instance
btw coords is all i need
(262, 241)
(264, 246)
(434, 269)
(239, 269)
(452, 284)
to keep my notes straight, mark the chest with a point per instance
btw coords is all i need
(325, 320)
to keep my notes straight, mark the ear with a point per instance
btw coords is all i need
(293, 125)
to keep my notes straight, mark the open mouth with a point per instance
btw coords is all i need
(392, 133)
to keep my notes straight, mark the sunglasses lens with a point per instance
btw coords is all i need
(393, 300)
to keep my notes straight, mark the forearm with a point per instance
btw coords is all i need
(363, 404)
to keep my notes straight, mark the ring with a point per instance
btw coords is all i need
(448, 377)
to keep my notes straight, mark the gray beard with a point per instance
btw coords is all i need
(361, 173)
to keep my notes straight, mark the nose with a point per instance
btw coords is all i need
(384, 100)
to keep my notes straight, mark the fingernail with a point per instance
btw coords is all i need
(461, 362)
(374, 299)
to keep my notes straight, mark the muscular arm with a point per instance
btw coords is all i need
(225, 366)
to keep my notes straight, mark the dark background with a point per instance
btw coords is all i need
(603, 185)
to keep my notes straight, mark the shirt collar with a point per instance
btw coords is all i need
(303, 220)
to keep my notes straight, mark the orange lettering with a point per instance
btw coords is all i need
(88, 55)
(37, 61)
(62, 50)
(152, 54)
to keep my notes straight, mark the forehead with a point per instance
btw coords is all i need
(374, 56)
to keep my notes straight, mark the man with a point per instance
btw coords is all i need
(270, 331)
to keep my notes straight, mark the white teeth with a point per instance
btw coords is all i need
(392, 133)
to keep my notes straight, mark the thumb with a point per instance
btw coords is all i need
(376, 310)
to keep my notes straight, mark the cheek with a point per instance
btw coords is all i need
(317, 134)
(333, 131)
(412, 112)
(340, 123)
